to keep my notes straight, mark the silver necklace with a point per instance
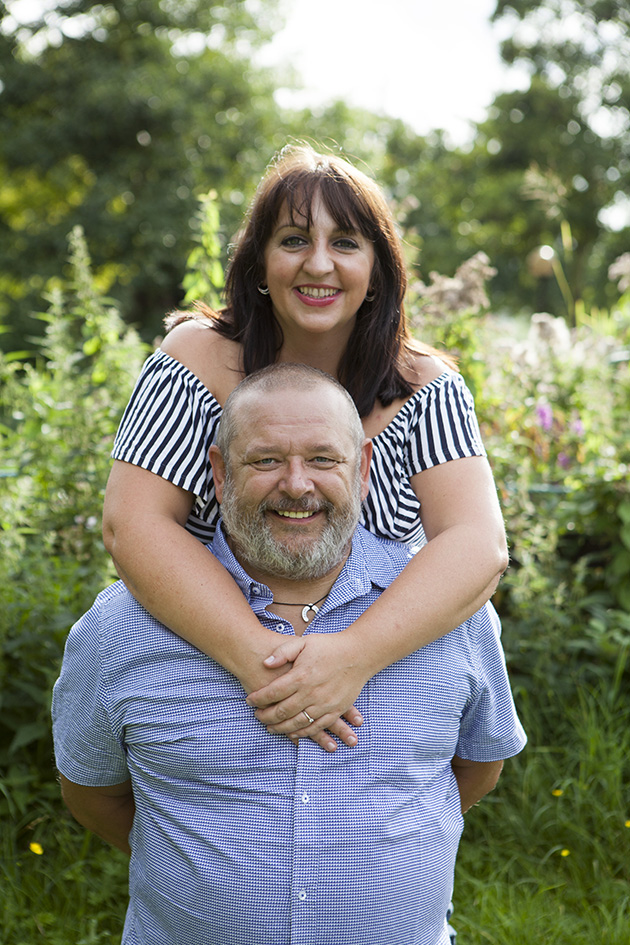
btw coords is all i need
(306, 608)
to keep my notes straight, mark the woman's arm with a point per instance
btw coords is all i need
(182, 584)
(171, 573)
(449, 579)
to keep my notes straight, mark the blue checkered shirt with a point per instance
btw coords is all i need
(243, 838)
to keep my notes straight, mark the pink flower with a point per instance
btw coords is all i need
(545, 416)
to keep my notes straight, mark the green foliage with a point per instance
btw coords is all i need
(544, 858)
(580, 52)
(449, 313)
(61, 413)
(554, 411)
(114, 117)
(546, 855)
(59, 883)
(204, 279)
(480, 200)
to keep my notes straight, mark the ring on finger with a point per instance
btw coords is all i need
(304, 712)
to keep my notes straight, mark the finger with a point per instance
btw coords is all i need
(324, 738)
(272, 695)
(300, 727)
(287, 652)
(289, 714)
(325, 741)
(280, 690)
(347, 735)
(353, 716)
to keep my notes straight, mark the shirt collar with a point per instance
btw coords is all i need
(372, 562)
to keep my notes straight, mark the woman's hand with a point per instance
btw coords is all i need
(323, 682)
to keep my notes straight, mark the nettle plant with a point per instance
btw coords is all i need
(60, 413)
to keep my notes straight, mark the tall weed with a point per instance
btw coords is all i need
(60, 415)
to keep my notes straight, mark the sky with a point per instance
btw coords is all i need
(433, 63)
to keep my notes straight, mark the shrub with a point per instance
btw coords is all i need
(61, 413)
(553, 405)
(554, 411)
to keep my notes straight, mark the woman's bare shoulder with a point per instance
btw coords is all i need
(210, 356)
(423, 368)
(419, 370)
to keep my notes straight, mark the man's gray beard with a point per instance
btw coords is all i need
(254, 544)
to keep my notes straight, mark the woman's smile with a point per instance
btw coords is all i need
(316, 269)
(317, 295)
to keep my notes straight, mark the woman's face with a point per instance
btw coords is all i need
(317, 277)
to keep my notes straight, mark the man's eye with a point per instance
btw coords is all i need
(264, 461)
(323, 461)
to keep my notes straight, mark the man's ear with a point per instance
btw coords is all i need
(218, 471)
(366, 459)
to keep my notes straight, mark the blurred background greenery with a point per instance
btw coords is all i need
(114, 117)
(116, 145)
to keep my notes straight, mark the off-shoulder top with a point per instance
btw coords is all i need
(171, 421)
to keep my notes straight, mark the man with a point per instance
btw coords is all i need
(239, 837)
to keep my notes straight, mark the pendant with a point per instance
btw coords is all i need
(306, 609)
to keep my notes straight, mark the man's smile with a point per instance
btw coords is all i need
(288, 513)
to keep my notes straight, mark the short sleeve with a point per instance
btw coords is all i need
(169, 425)
(87, 751)
(490, 729)
(442, 425)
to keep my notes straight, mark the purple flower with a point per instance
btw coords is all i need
(563, 460)
(578, 427)
(545, 416)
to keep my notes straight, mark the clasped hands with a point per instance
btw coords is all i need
(318, 677)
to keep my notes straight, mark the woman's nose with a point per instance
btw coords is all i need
(319, 259)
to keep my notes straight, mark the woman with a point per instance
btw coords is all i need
(317, 276)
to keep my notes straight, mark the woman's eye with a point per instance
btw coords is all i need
(347, 243)
(292, 241)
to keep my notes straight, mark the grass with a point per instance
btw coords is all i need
(544, 858)
(73, 892)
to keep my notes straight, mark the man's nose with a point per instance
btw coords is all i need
(296, 480)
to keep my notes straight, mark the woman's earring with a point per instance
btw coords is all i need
(370, 297)
(262, 288)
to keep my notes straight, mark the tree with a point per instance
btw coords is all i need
(580, 50)
(539, 172)
(115, 116)
(542, 179)
(582, 44)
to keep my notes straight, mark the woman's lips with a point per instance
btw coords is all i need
(317, 295)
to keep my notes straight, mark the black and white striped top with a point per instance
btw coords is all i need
(172, 418)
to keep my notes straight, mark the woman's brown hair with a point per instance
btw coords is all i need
(373, 363)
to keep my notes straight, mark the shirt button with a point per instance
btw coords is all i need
(305, 798)
(302, 895)
(255, 590)
(279, 627)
